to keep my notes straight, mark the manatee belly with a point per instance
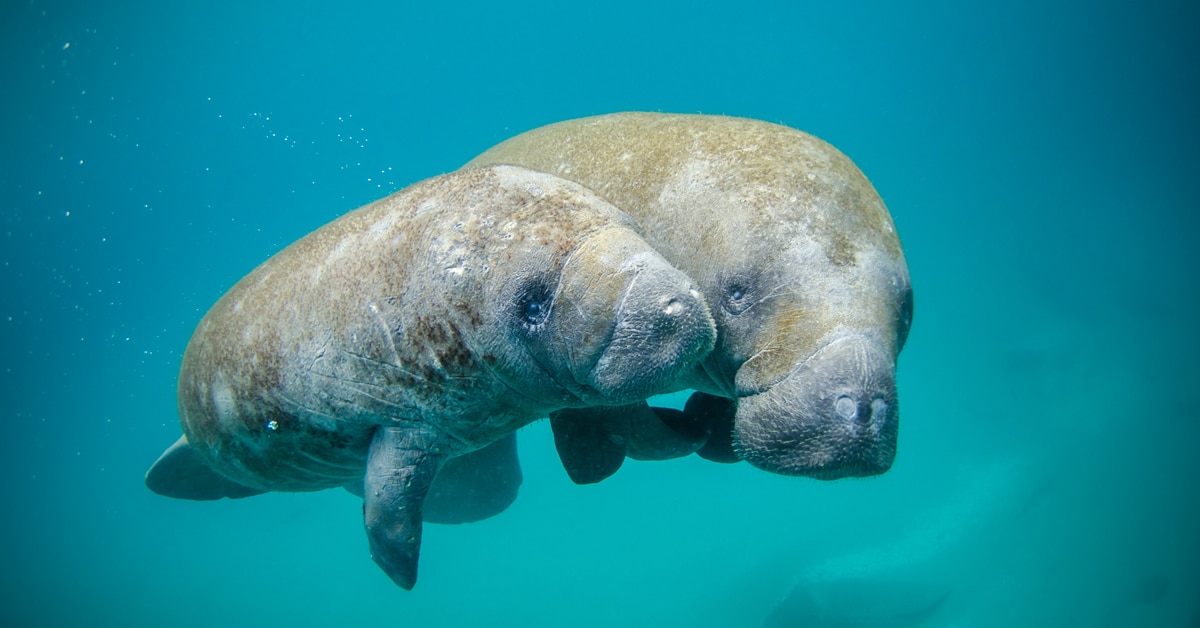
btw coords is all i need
(255, 436)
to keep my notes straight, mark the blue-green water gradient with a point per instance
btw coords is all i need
(1040, 161)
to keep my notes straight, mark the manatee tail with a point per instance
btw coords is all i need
(181, 473)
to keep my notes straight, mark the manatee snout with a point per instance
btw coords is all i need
(661, 327)
(834, 416)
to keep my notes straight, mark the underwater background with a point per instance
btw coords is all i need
(1039, 159)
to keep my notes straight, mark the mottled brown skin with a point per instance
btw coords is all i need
(796, 255)
(421, 328)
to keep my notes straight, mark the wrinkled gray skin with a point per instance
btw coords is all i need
(421, 329)
(798, 260)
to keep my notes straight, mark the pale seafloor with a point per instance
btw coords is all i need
(1039, 160)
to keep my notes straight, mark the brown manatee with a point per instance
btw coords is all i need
(420, 330)
(801, 267)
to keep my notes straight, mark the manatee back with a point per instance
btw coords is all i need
(760, 183)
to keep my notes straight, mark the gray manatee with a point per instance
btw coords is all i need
(858, 603)
(421, 330)
(798, 260)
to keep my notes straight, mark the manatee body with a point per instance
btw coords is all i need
(800, 265)
(859, 603)
(420, 331)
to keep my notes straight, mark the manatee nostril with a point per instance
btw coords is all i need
(846, 407)
(879, 410)
(673, 308)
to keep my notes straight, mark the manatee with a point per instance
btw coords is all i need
(422, 330)
(798, 260)
(858, 603)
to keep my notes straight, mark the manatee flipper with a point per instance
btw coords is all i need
(354, 487)
(663, 434)
(471, 487)
(716, 415)
(400, 471)
(590, 441)
(181, 473)
(475, 486)
(593, 442)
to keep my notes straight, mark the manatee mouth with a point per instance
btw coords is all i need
(662, 327)
(835, 416)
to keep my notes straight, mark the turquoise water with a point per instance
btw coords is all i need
(1039, 160)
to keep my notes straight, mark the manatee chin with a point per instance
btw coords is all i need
(836, 415)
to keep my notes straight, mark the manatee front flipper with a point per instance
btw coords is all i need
(590, 441)
(662, 433)
(401, 465)
(477, 485)
(593, 442)
(715, 414)
(181, 473)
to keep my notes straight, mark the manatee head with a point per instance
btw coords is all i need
(580, 310)
(812, 312)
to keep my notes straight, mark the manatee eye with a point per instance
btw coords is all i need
(739, 289)
(535, 312)
(533, 304)
(737, 298)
